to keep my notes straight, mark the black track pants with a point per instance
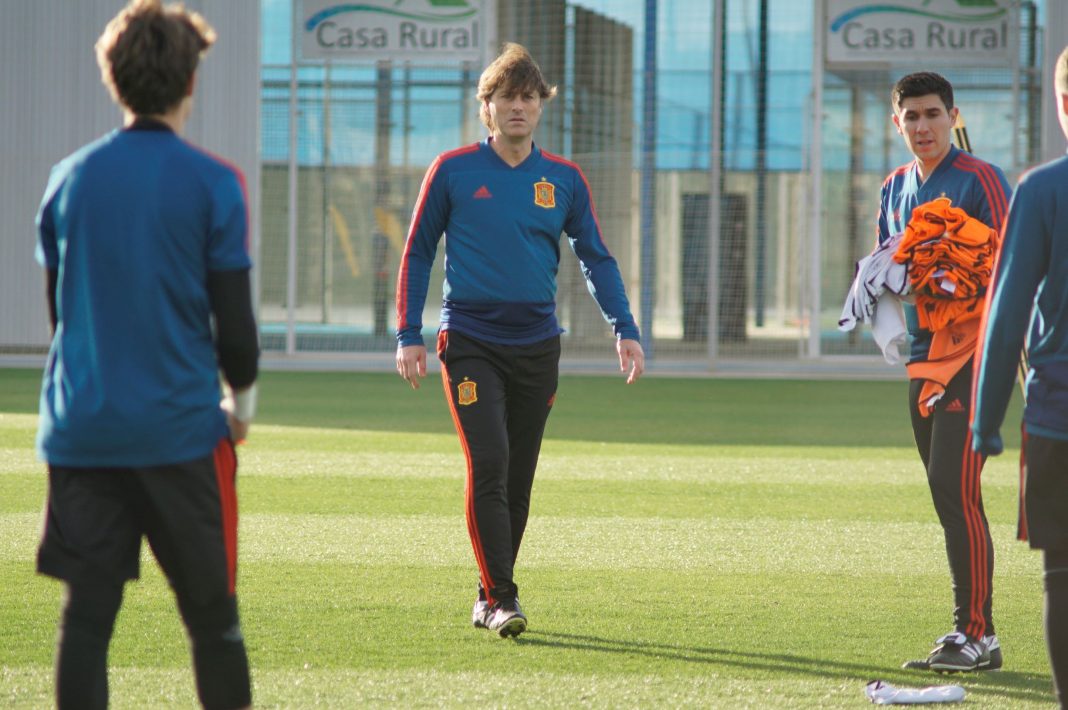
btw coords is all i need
(1056, 620)
(953, 472)
(500, 397)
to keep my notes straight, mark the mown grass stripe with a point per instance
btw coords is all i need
(725, 546)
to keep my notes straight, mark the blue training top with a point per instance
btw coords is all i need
(1030, 288)
(973, 185)
(502, 229)
(134, 222)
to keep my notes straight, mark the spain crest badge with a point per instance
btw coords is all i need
(545, 194)
(466, 393)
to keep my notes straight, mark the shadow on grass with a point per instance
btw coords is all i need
(1007, 684)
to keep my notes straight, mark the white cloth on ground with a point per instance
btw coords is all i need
(882, 693)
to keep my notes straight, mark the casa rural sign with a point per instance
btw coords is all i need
(944, 32)
(412, 30)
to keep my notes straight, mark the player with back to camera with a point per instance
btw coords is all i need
(1029, 296)
(502, 205)
(924, 114)
(144, 241)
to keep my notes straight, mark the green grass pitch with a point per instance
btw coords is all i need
(692, 543)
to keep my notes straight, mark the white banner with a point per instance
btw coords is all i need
(945, 32)
(413, 30)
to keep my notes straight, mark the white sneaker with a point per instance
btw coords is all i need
(506, 619)
(479, 613)
(992, 660)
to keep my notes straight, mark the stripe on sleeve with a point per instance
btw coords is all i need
(995, 196)
(593, 209)
(417, 214)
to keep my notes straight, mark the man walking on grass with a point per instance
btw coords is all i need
(502, 205)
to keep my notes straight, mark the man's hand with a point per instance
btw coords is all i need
(631, 356)
(991, 445)
(240, 408)
(238, 428)
(411, 363)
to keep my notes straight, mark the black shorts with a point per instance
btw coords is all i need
(188, 511)
(1044, 493)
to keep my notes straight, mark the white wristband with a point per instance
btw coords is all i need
(245, 404)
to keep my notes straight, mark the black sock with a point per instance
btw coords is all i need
(82, 654)
(1056, 613)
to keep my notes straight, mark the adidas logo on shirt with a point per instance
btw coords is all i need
(482, 193)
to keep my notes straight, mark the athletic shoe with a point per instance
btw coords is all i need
(954, 653)
(507, 619)
(917, 664)
(479, 614)
(992, 659)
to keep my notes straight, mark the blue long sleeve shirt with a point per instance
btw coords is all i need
(502, 228)
(975, 186)
(1029, 293)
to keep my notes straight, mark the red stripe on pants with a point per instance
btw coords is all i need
(226, 477)
(469, 486)
(971, 467)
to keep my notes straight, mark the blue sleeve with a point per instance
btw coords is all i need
(1020, 269)
(47, 252)
(228, 238)
(598, 266)
(429, 219)
(882, 230)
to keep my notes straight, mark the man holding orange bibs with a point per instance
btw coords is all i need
(964, 201)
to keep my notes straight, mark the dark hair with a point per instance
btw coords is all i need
(922, 84)
(513, 71)
(148, 54)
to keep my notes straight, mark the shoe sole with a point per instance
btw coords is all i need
(942, 668)
(923, 665)
(513, 627)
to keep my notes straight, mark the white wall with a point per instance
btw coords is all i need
(52, 101)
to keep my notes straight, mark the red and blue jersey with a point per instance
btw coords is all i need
(502, 228)
(133, 224)
(1028, 298)
(971, 184)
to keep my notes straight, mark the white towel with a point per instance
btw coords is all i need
(888, 327)
(875, 274)
(882, 693)
(874, 298)
(859, 306)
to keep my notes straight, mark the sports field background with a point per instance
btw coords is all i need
(692, 543)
